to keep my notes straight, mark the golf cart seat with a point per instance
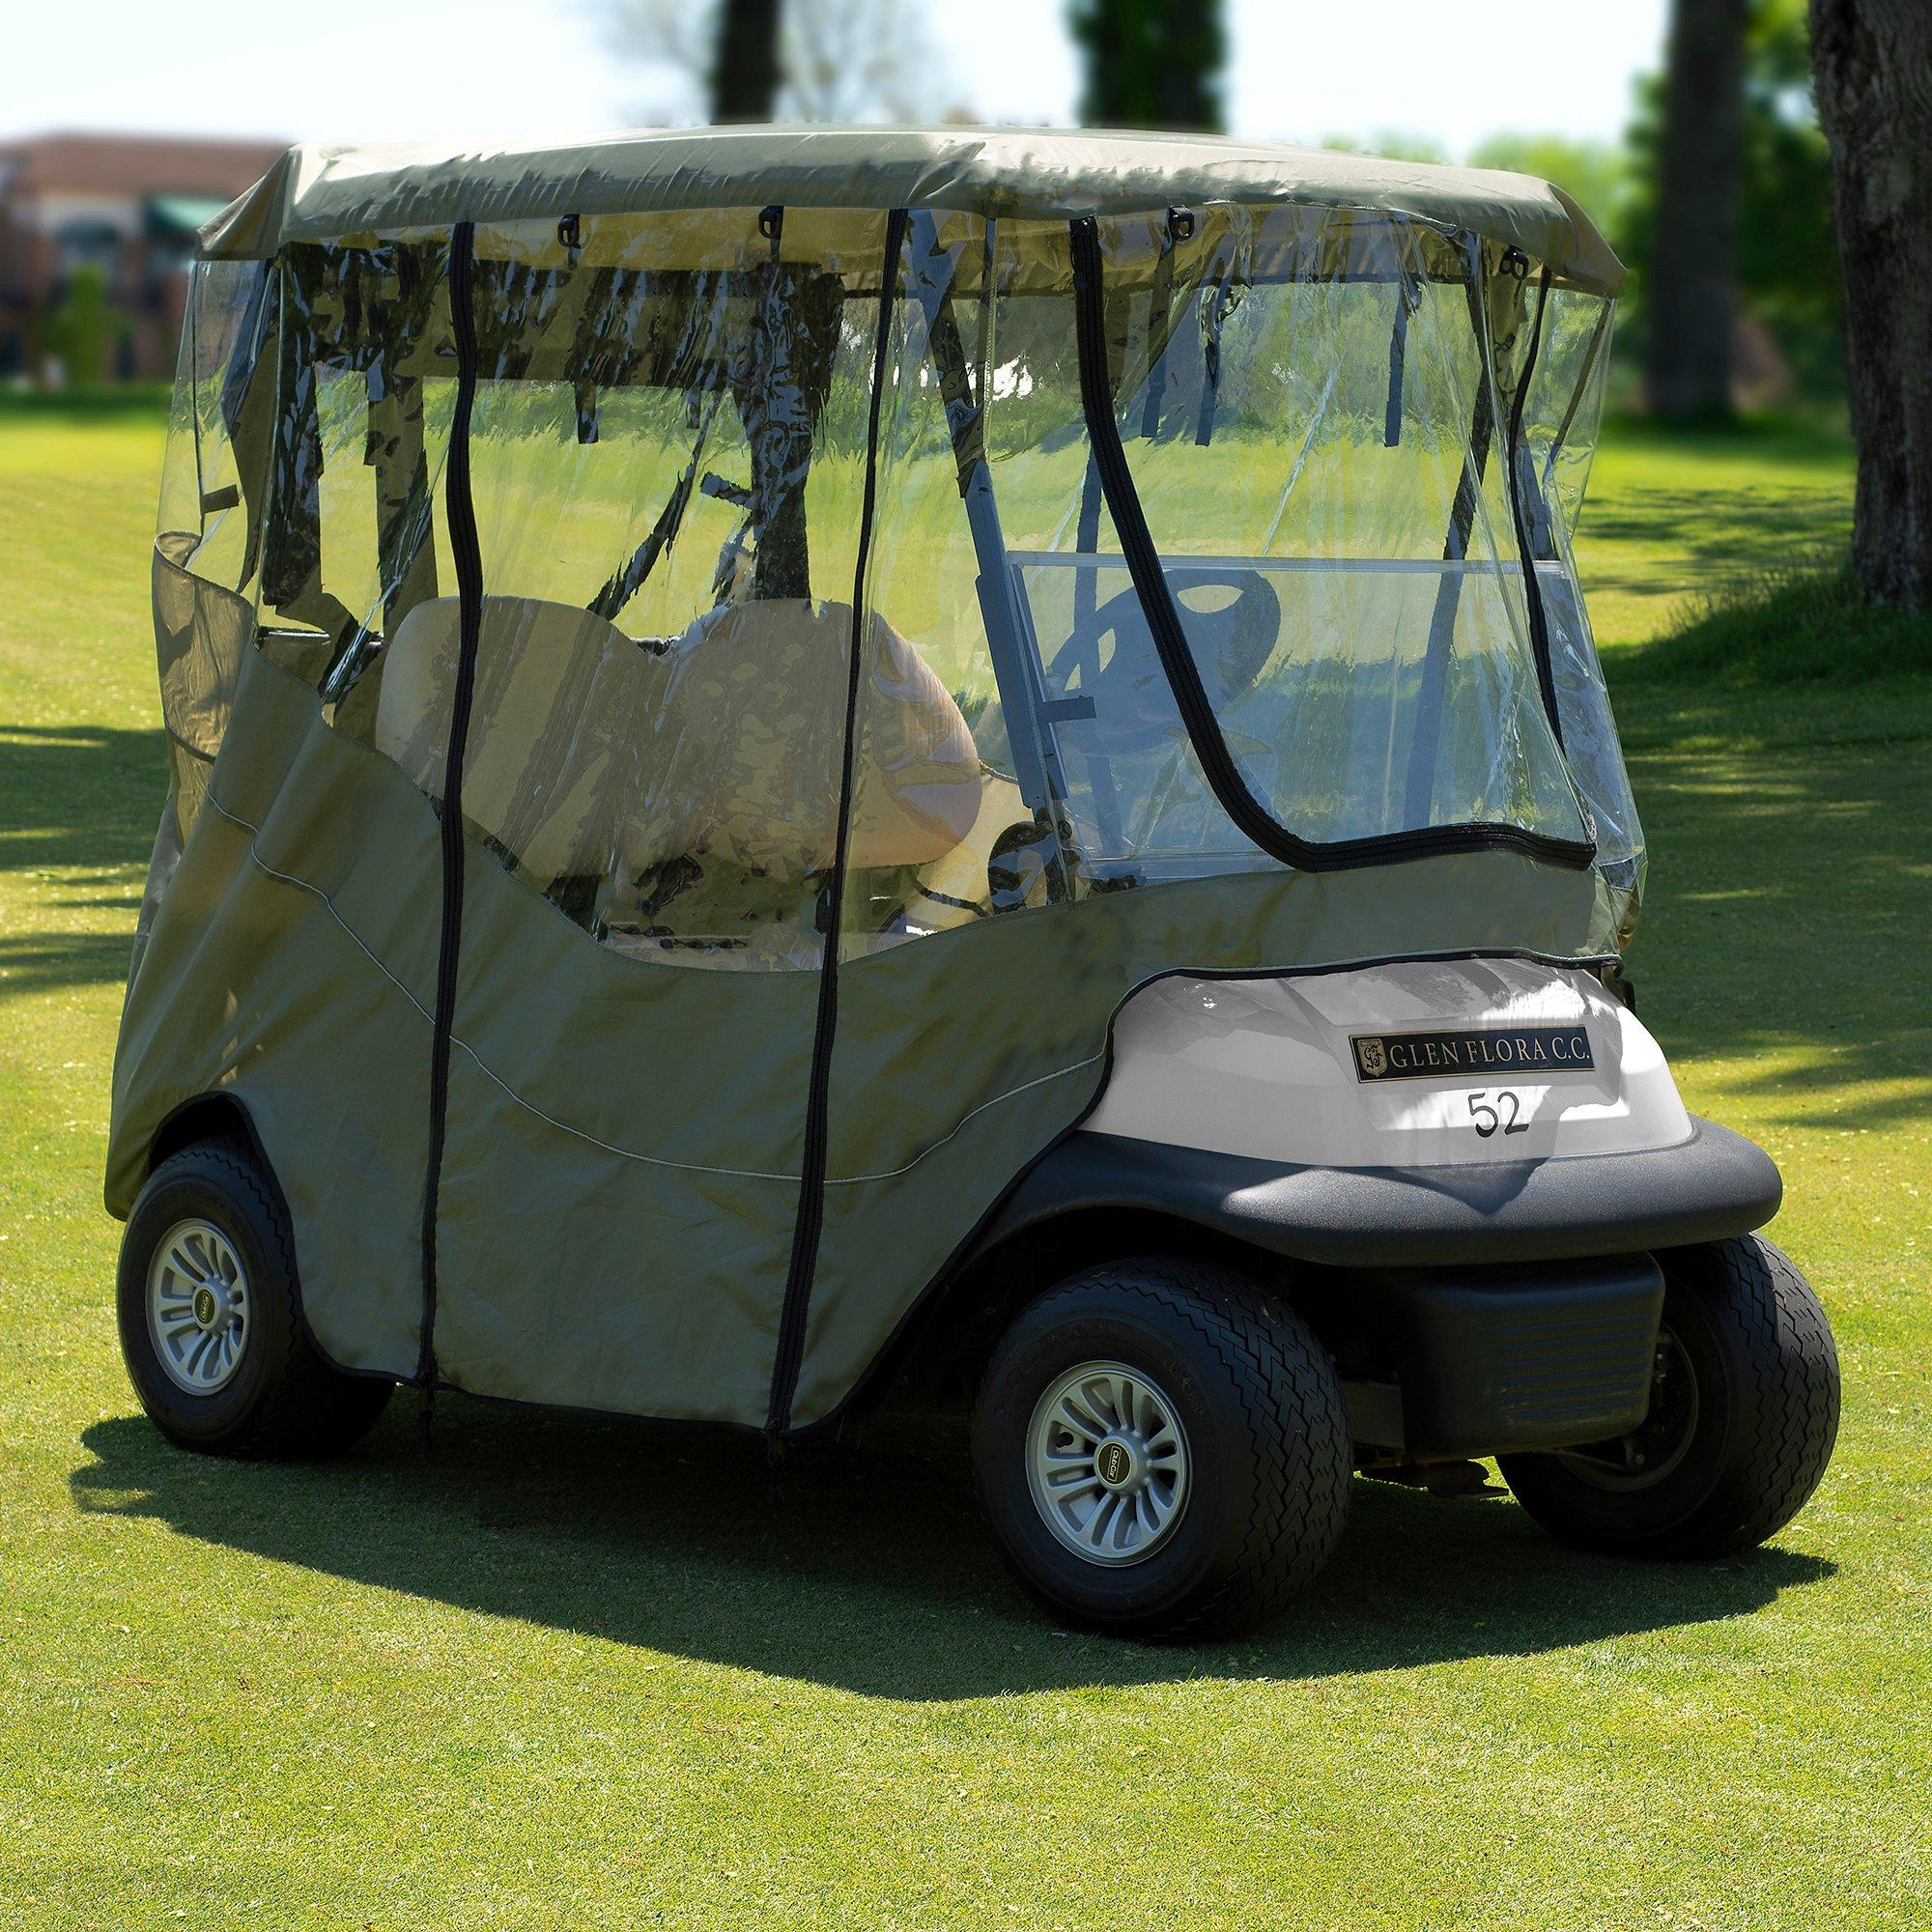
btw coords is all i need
(590, 759)
(752, 676)
(553, 726)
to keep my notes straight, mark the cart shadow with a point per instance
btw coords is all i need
(868, 1569)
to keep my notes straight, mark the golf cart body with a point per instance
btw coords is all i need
(758, 721)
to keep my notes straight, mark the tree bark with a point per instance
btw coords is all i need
(744, 66)
(1692, 288)
(1873, 62)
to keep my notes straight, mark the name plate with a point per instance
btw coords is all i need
(1486, 1053)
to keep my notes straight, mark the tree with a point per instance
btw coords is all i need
(1692, 288)
(779, 60)
(1787, 262)
(85, 328)
(744, 73)
(1151, 63)
(1594, 173)
(1873, 61)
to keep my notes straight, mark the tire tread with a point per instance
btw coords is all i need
(1291, 1408)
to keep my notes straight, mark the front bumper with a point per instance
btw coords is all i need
(1715, 1185)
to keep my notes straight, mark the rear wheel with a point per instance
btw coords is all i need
(210, 1316)
(1162, 1450)
(1744, 1413)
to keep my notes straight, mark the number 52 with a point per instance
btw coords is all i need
(1504, 1114)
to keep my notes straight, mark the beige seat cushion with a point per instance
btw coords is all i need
(589, 756)
(748, 730)
(550, 765)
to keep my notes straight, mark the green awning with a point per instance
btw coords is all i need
(184, 214)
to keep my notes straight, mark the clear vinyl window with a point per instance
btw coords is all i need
(208, 540)
(1307, 411)
(668, 471)
(1561, 409)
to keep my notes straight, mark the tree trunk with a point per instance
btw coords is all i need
(745, 67)
(1694, 264)
(1873, 61)
(1151, 63)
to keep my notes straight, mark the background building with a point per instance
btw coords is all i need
(96, 231)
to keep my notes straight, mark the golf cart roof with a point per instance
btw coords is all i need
(319, 194)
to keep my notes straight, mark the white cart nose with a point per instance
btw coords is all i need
(1423, 1063)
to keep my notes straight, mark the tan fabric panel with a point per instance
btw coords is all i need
(317, 193)
(624, 1136)
(292, 963)
(962, 1057)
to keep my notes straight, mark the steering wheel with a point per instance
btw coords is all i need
(1133, 707)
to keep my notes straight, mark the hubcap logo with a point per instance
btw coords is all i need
(1114, 1463)
(204, 1306)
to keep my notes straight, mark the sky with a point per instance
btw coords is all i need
(1445, 71)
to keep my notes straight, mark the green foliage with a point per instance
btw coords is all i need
(85, 328)
(1787, 259)
(1391, 144)
(1151, 63)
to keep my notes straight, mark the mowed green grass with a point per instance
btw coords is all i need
(568, 1674)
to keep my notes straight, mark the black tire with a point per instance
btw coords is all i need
(1747, 1452)
(282, 1397)
(1267, 1438)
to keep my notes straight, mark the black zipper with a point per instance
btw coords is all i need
(467, 553)
(1197, 714)
(810, 1223)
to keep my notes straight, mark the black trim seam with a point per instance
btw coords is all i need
(467, 553)
(1217, 763)
(810, 1223)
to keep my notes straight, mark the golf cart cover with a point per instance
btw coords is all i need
(699, 671)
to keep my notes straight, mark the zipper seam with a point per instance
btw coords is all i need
(808, 1227)
(460, 514)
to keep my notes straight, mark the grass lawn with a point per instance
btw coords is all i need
(571, 1674)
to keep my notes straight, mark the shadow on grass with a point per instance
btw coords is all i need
(85, 795)
(870, 1570)
(79, 805)
(47, 961)
(1784, 928)
(1709, 534)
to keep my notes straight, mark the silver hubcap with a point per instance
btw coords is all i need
(198, 1306)
(1107, 1462)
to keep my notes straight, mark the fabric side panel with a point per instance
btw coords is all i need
(288, 966)
(621, 1168)
(960, 1059)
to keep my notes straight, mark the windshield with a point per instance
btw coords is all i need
(1314, 416)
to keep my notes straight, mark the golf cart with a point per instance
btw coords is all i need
(808, 765)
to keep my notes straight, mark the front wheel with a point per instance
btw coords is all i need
(211, 1317)
(1743, 1415)
(1162, 1450)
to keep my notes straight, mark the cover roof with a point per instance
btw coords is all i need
(315, 193)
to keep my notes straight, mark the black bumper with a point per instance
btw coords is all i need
(1520, 1355)
(1715, 1185)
